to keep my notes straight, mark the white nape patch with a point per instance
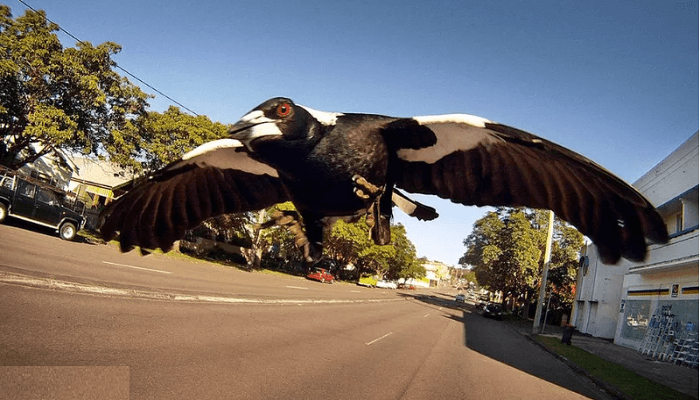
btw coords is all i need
(212, 146)
(454, 132)
(324, 117)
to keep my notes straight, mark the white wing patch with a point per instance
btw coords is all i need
(222, 154)
(324, 117)
(472, 120)
(455, 132)
(403, 204)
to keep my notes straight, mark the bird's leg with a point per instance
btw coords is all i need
(381, 211)
(314, 233)
(292, 221)
(367, 191)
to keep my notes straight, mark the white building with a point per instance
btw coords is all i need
(93, 180)
(619, 301)
(436, 272)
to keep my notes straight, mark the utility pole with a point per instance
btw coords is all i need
(545, 271)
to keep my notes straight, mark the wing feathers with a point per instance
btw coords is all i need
(497, 165)
(207, 182)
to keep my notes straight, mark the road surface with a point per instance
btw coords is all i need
(294, 339)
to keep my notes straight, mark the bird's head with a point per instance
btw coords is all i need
(277, 119)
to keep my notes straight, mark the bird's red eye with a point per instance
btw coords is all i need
(284, 110)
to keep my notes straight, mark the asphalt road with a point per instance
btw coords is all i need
(301, 339)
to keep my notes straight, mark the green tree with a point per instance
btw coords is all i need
(404, 263)
(53, 97)
(506, 249)
(351, 243)
(152, 140)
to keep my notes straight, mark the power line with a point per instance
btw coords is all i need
(115, 64)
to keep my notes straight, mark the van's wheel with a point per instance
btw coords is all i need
(68, 231)
(3, 212)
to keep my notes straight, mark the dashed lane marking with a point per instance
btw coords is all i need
(297, 287)
(378, 339)
(135, 267)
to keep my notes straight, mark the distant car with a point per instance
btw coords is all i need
(482, 302)
(386, 284)
(321, 275)
(493, 310)
(407, 286)
(459, 298)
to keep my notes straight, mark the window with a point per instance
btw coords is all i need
(27, 189)
(45, 196)
(7, 182)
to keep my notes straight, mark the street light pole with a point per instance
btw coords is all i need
(545, 271)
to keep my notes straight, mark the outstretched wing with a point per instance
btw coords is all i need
(473, 161)
(216, 178)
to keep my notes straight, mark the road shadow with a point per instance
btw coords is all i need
(20, 224)
(498, 341)
(435, 300)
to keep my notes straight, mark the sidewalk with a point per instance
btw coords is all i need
(682, 379)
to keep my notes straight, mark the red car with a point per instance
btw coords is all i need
(320, 275)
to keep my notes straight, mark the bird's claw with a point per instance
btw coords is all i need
(364, 189)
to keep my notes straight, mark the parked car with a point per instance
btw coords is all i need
(408, 286)
(493, 310)
(482, 302)
(386, 284)
(37, 203)
(459, 298)
(321, 275)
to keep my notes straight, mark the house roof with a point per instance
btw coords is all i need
(99, 172)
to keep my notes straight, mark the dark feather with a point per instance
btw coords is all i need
(504, 166)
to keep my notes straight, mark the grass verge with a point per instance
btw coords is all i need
(629, 383)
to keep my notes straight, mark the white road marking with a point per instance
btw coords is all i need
(297, 287)
(378, 339)
(355, 291)
(73, 287)
(134, 267)
(426, 315)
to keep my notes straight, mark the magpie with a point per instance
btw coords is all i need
(346, 165)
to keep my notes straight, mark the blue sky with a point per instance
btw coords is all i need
(616, 81)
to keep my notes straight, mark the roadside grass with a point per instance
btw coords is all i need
(90, 236)
(633, 385)
(94, 237)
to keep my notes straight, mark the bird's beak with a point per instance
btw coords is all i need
(252, 126)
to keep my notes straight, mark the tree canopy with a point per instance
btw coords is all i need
(152, 139)
(506, 250)
(351, 243)
(53, 97)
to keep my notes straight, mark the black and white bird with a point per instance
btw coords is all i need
(335, 165)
